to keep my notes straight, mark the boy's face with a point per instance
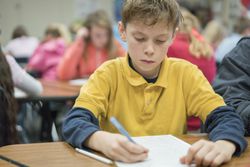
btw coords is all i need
(147, 45)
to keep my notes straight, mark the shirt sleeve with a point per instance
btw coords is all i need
(233, 80)
(94, 95)
(225, 124)
(199, 95)
(78, 125)
(23, 80)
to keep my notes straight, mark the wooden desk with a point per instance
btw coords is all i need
(53, 91)
(61, 154)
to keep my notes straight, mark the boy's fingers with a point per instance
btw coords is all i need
(126, 156)
(183, 159)
(218, 160)
(134, 148)
(137, 157)
(119, 153)
(207, 161)
(200, 155)
(192, 151)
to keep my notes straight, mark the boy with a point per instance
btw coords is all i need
(151, 94)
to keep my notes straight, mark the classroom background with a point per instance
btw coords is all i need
(36, 15)
(221, 23)
(49, 48)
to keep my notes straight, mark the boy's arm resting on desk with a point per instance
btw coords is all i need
(226, 131)
(78, 126)
(80, 130)
(225, 124)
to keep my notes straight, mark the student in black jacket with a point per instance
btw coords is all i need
(233, 80)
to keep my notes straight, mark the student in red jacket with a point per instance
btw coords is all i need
(95, 46)
(191, 46)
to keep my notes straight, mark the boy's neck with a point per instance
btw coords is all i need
(151, 79)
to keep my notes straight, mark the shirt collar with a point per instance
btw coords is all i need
(135, 79)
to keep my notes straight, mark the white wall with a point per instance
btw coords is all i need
(35, 15)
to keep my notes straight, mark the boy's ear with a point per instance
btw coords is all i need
(173, 35)
(121, 29)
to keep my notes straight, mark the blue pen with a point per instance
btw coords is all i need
(120, 128)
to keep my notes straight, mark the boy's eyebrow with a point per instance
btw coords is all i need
(141, 33)
(137, 32)
(163, 35)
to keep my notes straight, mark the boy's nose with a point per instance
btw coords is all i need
(149, 50)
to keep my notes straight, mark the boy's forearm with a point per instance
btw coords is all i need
(78, 126)
(93, 142)
(224, 124)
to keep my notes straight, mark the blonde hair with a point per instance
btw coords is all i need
(213, 32)
(199, 47)
(100, 19)
(152, 11)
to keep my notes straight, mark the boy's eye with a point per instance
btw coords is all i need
(160, 41)
(140, 39)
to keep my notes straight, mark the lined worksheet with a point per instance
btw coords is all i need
(164, 151)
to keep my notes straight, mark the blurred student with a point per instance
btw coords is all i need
(8, 133)
(190, 45)
(241, 28)
(95, 44)
(214, 33)
(48, 54)
(151, 94)
(22, 80)
(233, 80)
(21, 45)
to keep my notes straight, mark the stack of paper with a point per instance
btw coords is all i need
(164, 151)
(78, 82)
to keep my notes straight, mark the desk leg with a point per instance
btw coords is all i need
(47, 121)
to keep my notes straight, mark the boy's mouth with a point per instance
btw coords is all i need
(148, 61)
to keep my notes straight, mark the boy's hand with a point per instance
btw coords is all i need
(117, 147)
(207, 153)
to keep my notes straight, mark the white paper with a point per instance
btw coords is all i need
(78, 82)
(164, 151)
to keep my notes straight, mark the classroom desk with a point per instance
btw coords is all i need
(61, 154)
(53, 91)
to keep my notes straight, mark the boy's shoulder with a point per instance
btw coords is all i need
(180, 63)
(114, 64)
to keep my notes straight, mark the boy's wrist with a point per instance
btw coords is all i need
(92, 142)
(228, 144)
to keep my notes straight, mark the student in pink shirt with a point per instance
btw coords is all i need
(48, 54)
(95, 45)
